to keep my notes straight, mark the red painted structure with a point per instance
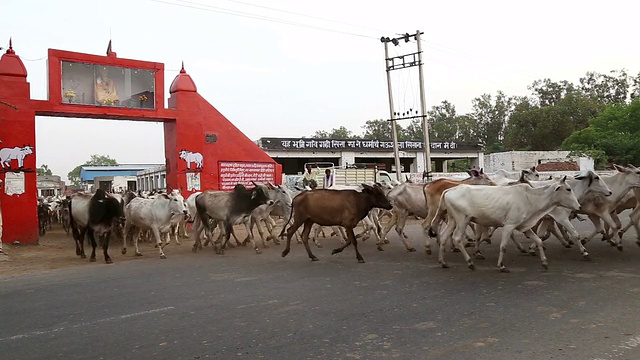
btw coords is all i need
(216, 150)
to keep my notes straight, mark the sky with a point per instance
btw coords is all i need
(311, 65)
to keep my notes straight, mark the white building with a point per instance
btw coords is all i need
(154, 178)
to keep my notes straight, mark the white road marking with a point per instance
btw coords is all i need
(36, 333)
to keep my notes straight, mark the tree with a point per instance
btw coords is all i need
(607, 89)
(413, 131)
(442, 119)
(339, 133)
(491, 118)
(615, 131)
(548, 93)
(43, 170)
(94, 160)
(379, 129)
(531, 127)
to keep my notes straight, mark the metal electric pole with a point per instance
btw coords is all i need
(403, 62)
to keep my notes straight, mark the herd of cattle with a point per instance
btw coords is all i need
(457, 213)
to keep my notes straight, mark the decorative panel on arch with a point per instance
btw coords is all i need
(103, 85)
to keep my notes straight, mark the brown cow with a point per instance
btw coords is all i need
(333, 207)
(432, 193)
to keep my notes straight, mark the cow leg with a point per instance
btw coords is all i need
(247, 226)
(263, 238)
(158, 237)
(595, 219)
(387, 227)
(93, 244)
(444, 237)
(316, 235)
(459, 239)
(308, 224)
(271, 227)
(615, 239)
(531, 235)
(290, 231)
(351, 239)
(78, 236)
(507, 231)
(105, 247)
(174, 233)
(127, 228)
(228, 231)
(634, 219)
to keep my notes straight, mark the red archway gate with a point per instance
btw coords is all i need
(203, 149)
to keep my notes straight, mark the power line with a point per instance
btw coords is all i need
(247, 15)
(304, 15)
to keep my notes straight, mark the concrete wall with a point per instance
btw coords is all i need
(518, 160)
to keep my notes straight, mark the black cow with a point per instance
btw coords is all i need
(229, 208)
(333, 208)
(94, 215)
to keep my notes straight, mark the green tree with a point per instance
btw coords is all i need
(380, 129)
(95, 160)
(548, 93)
(413, 131)
(442, 119)
(612, 88)
(43, 170)
(339, 133)
(615, 131)
(491, 116)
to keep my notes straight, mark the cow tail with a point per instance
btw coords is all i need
(200, 217)
(436, 218)
(72, 223)
(287, 223)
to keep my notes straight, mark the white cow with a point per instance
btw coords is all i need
(598, 207)
(517, 207)
(192, 157)
(582, 185)
(156, 215)
(16, 153)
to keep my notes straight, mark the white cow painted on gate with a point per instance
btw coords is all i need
(16, 153)
(191, 157)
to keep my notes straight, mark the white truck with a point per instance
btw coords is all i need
(349, 176)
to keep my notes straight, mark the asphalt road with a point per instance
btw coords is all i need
(397, 305)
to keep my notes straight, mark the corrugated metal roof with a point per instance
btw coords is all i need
(137, 167)
(88, 173)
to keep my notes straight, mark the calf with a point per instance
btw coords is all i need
(157, 215)
(94, 215)
(333, 207)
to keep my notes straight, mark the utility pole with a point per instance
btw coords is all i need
(394, 130)
(398, 63)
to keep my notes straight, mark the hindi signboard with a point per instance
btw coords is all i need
(236, 172)
(362, 144)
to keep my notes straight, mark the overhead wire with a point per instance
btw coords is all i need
(431, 45)
(216, 9)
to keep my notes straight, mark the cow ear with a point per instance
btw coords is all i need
(475, 173)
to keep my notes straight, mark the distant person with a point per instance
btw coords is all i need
(328, 179)
(309, 177)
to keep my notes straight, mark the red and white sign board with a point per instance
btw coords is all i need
(234, 172)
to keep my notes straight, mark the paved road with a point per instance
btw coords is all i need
(397, 305)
